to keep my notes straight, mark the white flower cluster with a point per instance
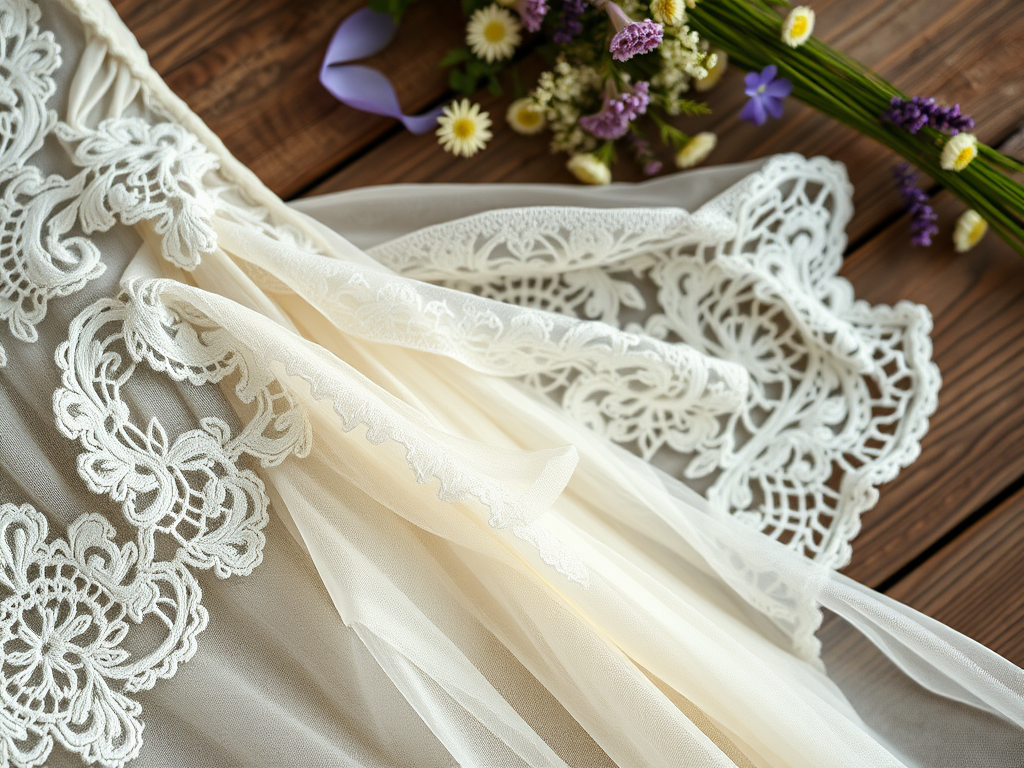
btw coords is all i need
(683, 59)
(562, 93)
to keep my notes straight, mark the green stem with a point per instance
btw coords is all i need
(842, 88)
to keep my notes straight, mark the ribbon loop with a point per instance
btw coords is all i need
(363, 34)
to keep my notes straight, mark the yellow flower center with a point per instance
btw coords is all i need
(965, 157)
(799, 26)
(528, 117)
(978, 231)
(463, 128)
(494, 32)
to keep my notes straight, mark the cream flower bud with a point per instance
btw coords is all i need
(970, 228)
(696, 150)
(589, 169)
(715, 71)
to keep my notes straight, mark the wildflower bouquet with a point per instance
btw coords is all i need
(622, 70)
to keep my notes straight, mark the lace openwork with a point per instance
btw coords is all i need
(840, 391)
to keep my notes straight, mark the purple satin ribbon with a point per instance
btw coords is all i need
(363, 34)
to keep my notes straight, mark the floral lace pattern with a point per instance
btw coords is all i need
(70, 608)
(190, 489)
(162, 319)
(132, 171)
(71, 626)
(840, 391)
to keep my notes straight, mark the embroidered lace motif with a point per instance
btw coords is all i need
(840, 391)
(164, 319)
(70, 609)
(71, 626)
(133, 170)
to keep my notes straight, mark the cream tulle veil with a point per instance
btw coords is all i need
(479, 476)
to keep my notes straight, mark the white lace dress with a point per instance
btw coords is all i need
(478, 476)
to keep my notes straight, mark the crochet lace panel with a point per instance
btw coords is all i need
(840, 391)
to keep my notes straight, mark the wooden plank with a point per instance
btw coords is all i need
(973, 584)
(250, 71)
(975, 447)
(953, 49)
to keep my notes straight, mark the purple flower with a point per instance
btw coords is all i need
(632, 38)
(569, 22)
(613, 120)
(915, 114)
(922, 218)
(766, 93)
(532, 13)
(644, 154)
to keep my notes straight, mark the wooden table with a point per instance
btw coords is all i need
(947, 536)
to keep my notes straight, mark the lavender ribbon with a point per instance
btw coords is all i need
(363, 34)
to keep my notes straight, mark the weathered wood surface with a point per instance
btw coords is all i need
(947, 535)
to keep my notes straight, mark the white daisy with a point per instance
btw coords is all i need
(668, 12)
(525, 116)
(493, 33)
(798, 26)
(970, 228)
(696, 150)
(958, 152)
(589, 169)
(463, 128)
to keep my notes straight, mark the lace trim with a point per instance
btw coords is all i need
(840, 391)
(170, 312)
(133, 170)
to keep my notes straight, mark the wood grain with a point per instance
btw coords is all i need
(975, 446)
(249, 69)
(974, 583)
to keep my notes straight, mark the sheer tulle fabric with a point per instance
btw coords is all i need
(455, 570)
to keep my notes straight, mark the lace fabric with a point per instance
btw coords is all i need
(466, 534)
(840, 392)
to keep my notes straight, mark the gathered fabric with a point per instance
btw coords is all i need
(478, 476)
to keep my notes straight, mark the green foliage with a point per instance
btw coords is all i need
(395, 8)
(849, 92)
(606, 153)
(474, 74)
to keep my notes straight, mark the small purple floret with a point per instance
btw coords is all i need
(914, 114)
(635, 39)
(532, 13)
(766, 93)
(613, 120)
(644, 154)
(922, 218)
(569, 22)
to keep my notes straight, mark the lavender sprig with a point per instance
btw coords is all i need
(532, 13)
(613, 120)
(922, 218)
(643, 152)
(914, 114)
(570, 21)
